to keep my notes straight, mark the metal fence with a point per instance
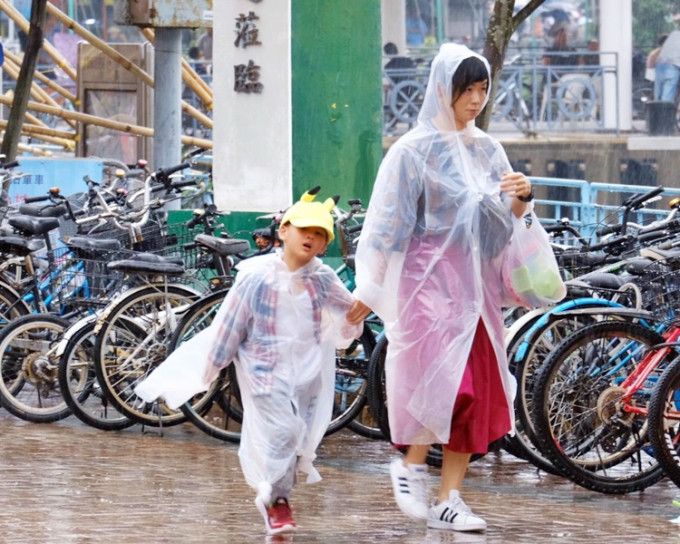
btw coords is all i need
(590, 206)
(535, 93)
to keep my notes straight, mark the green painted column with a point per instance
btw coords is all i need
(337, 96)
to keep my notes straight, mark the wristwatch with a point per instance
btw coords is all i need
(527, 198)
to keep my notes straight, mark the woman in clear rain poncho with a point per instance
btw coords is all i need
(429, 264)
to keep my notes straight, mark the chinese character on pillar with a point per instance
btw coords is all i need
(247, 76)
(246, 31)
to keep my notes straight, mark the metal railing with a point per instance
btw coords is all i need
(590, 206)
(533, 94)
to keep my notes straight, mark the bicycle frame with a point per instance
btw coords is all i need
(637, 379)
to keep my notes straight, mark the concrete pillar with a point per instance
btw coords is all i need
(167, 117)
(316, 116)
(252, 158)
(616, 35)
(393, 21)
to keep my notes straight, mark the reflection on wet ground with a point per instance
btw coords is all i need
(67, 483)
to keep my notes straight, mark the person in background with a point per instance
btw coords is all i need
(650, 63)
(205, 43)
(196, 60)
(667, 69)
(592, 58)
(561, 53)
(398, 66)
(428, 263)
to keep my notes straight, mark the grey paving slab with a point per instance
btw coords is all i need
(67, 483)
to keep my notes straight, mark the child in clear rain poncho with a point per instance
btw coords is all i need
(280, 323)
(429, 264)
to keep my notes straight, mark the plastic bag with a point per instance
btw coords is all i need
(531, 277)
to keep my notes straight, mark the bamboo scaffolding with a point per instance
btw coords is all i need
(35, 120)
(32, 129)
(24, 25)
(70, 145)
(99, 44)
(32, 118)
(197, 84)
(120, 59)
(34, 150)
(44, 79)
(106, 123)
(36, 92)
(46, 104)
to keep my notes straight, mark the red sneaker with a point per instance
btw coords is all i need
(279, 518)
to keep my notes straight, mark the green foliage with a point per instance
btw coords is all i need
(651, 18)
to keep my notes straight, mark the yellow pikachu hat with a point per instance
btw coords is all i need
(307, 213)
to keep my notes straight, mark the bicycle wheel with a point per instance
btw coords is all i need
(351, 386)
(377, 398)
(132, 340)
(218, 411)
(29, 388)
(11, 306)
(527, 357)
(641, 96)
(221, 413)
(664, 421)
(576, 98)
(79, 386)
(579, 419)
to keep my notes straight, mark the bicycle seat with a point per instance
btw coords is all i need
(91, 246)
(19, 246)
(603, 280)
(33, 225)
(223, 246)
(148, 263)
(42, 210)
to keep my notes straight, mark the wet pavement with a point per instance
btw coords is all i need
(67, 483)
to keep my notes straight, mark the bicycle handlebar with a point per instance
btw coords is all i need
(41, 198)
(162, 174)
(352, 229)
(635, 201)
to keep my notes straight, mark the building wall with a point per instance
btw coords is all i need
(337, 96)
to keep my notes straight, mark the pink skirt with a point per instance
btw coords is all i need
(480, 413)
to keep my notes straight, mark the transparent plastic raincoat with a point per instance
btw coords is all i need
(281, 329)
(429, 258)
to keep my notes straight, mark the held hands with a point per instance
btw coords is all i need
(357, 313)
(515, 184)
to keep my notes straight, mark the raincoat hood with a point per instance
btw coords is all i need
(437, 101)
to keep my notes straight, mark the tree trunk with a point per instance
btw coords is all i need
(23, 87)
(501, 27)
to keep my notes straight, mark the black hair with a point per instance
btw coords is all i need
(390, 49)
(471, 70)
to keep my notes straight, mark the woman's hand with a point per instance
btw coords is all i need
(357, 313)
(515, 184)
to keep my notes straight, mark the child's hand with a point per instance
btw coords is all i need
(357, 313)
(515, 184)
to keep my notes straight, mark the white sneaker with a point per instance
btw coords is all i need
(453, 514)
(410, 486)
